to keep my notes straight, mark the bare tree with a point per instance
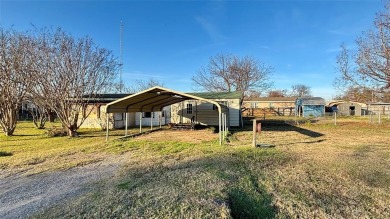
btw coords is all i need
(300, 90)
(231, 73)
(40, 112)
(15, 69)
(277, 93)
(140, 85)
(69, 72)
(369, 67)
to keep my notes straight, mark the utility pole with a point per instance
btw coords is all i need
(121, 59)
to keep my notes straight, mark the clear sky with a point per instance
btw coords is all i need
(171, 40)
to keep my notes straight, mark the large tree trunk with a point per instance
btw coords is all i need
(72, 130)
(72, 133)
(52, 115)
(8, 122)
(9, 132)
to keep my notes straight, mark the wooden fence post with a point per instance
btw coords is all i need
(254, 133)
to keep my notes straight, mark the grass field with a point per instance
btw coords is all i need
(315, 170)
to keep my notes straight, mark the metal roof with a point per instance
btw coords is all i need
(155, 98)
(218, 95)
(104, 98)
(311, 101)
(271, 99)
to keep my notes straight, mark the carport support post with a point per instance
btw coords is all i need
(226, 126)
(127, 117)
(159, 119)
(140, 122)
(222, 126)
(219, 125)
(335, 118)
(254, 133)
(107, 127)
(151, 120)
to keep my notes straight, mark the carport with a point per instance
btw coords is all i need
(154, 99)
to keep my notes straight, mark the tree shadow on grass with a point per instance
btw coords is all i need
(24, 135)
(5, 154)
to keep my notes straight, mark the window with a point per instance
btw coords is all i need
(271, 105)
(189, 108)
(253, 105)
(163, 113)
(147, 115)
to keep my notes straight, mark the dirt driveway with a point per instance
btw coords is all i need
(21, 196)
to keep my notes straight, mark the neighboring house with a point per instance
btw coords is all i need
(310, 107)
(269, 105)
(346, 108)
(26, 109)
(376, 108)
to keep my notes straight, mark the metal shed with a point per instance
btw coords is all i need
(347, 108)
(310, 107)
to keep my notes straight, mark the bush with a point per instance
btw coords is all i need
(56, 132)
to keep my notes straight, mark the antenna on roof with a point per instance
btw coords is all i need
(120, 58)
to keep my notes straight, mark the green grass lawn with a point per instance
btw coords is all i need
(314, 170)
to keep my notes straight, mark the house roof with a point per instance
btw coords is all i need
(272, 99)
(155, 98)
(311, 101)
(379, 103)
(105, 98)
(218, 95)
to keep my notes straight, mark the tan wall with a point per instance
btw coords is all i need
(93, 121)
(376, 109)
(270, 104)
(98, 120)
(204, 113)
(260, 112)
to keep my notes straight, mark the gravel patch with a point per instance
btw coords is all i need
(22, 196)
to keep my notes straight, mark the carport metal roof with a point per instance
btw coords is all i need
(154, 99)
(151, 100)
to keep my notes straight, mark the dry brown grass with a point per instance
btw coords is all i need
(189, 136)
(345, 172)
(316, 170)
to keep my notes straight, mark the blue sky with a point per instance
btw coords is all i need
(171, 40)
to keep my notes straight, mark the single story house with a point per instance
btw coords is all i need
(378, 107)
(310, 107)
(269, 105)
